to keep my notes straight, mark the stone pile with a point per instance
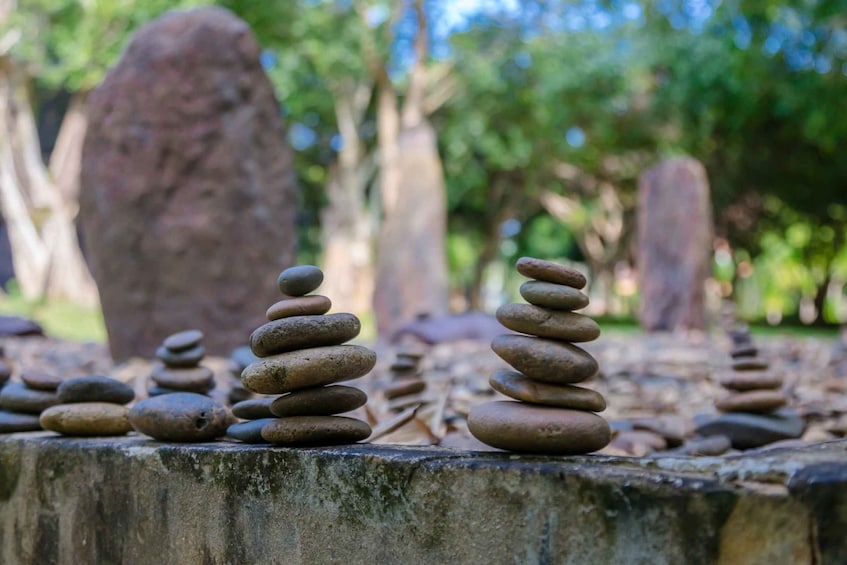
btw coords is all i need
(302, 354)
(753, 412)
(90, 406)
(179, 369)
(551, 415)
(21, 403)
(407, 387)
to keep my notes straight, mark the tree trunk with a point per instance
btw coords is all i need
(40, 221)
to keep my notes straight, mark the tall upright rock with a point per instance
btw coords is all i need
(188, 196)
(674, 244)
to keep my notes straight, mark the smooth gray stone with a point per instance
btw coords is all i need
(254, 408)
(95, 388)
(747, 431)
(300, 280)
(16, 397)
(183, 416)
(188, 358)
(183, 340)
(250, 431)
(12, 422)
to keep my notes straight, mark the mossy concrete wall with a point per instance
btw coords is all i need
(130, 500)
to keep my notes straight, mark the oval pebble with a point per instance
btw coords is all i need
(547, 271)
(249, 432)
(16, 397)
(315, 431)
(183, 340)
(299, 332)
(182, 416)
(552, 295)
(300, 280)
(87, 419)
(95, 388)
(320, 401)
(254, 408)
(552, 324)
(520, 387)
(545, 360)
(313, 305)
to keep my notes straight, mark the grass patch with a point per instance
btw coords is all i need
(60, 319)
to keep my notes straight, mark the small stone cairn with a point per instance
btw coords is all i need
(21, 403)
(180, 369)
(407, 387)
(302, 353)
(238, 361)
(551, 415)
(91, 405)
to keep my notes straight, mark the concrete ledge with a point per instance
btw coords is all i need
(131, 500)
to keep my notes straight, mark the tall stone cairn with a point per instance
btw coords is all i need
(674, 245)
(302, 354)
(551, 415)
(187, 184)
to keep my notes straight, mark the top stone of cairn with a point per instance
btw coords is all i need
(300, 280)
(548, 271)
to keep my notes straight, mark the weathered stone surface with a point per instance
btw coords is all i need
(307, 368)
(182, 416)
(344, 503)
(298, 332)
(254, 408)
(315, 430)
(183, 340)
(547, 271)
(552, 324)
(16, 397)
(41, 381)
(313, 305)
(11, 422)
(520, 387)
(299, 280)
(95, 388)
(193, 378)
(551, 295)
(321, 401)
(529, 428)
(188, 197)
(674, 244)
(249, 432)
(87, 419)
(545, 360)
(752, 401)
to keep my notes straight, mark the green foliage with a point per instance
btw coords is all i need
(59, 319)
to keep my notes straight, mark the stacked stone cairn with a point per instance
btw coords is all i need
(407, 386)
(91, 405)
(551, 415)
(302, 354)
(753, 410)
(21, 403)
(180, 370)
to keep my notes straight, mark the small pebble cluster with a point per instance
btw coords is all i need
(302, 354)
(90, 406)
(21, 403)
(407, 386)
(551, 415)
(180, 370)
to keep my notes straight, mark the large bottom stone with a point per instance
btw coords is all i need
(527, 428)
(315, 430)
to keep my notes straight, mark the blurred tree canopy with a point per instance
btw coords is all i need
(546, 112)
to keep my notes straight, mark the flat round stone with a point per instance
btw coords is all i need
(752, 401)
(95, 388)
(529, 428)
(183, 340)
(315, 430)
(544, 359)
(520, 387)
(300, 280)
(751, 380)
(13, 422)
(16, 397)
(403, 387)
(41, 381)
(553, 296)
(160, 390)
(254, 408)
(547, 271)
(87, 419)
(249, 432)
(552, 324)
(749, 364)
(744, 350)
(299, 332)
(182, 416)
(308, 368)
(193, 378)
(320, 401)
(186, 358)
(313, 305)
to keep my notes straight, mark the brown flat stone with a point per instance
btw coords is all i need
(521, 387)
(544, 359)
(41, 381)
(753, 401)
(192, 378)
(254, 408)
(315, 430)
(751, 380)
(529, 428)
(553, 296)
(183, 340)
(547, 271)
(306, 368)
(87, 419)
(552, 324)
(404, 386)
(298, 332)
(320, 401)
(313, 305)
(749, 364)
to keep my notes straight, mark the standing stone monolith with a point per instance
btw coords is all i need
(674, 244)
(187, 191)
